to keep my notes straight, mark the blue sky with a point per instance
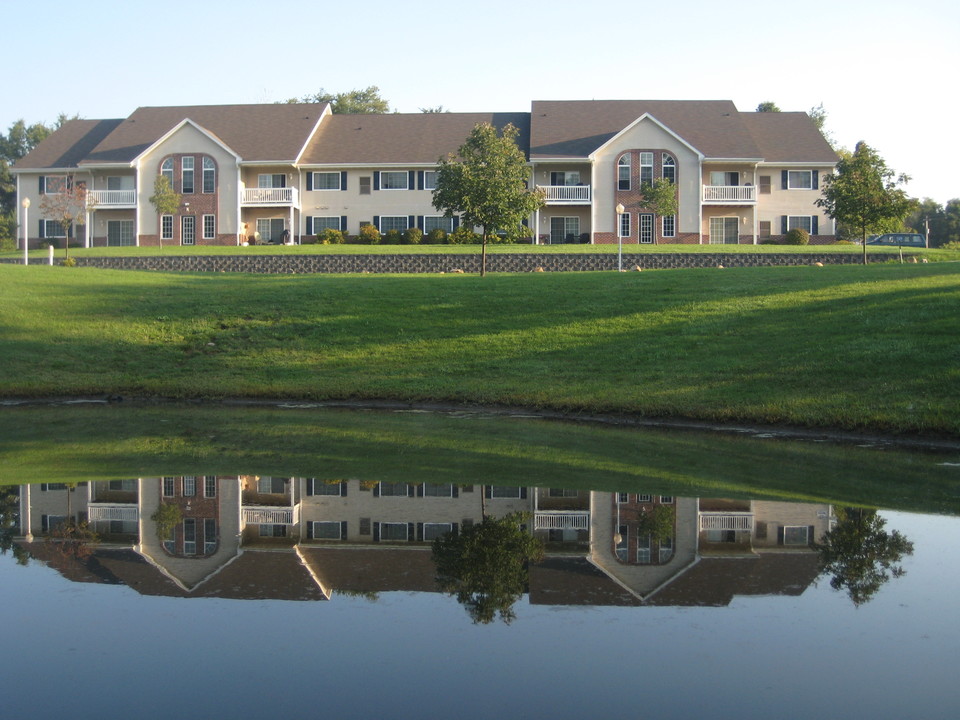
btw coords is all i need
(881, 69)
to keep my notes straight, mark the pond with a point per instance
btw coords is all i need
(724, 585)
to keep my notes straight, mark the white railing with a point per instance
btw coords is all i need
(103, 511)
(566, 193)
(270, 196)
(726, 521)
(730, 193)
(108, 198)
(263, 515)
(560, 520)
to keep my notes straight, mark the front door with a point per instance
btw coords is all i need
(188, 230)
(270, 229)
(724, 230)
(119, 233)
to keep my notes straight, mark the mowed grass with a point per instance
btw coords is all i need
(869, 348)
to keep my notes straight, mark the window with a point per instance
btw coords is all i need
(188, 230)
(120, 182)
(166, 169)
(270, 229)
(725, 179)
(189, 536)
(643, 550)
(52, 229)
(274, 180)
(394, 180)
(646, 227)
(804, 222)
(624, 224)
(393, 489)
(646, 168)
(210, 486)
(431, 531)
(394, 531)
(393, 222)
(430, 180)
(189, 486)
(669, 226)
(763, 183)
(623, 172)
(565, 177)
(209, 227)
(209, 175)
(796, 535)
(765, 229)
(326, 181)
(724, 230)
(326, 530)
(564, 230)
(431, 490)
(186, 178)
(168, 487)
(321, 223)
(365, 186)
(434, 222)
(166, 227)
(120, 233)
(209, 536)
(799, 180)
(52, 184)
(669, 168)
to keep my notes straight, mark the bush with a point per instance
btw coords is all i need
(844, 242)
(368, 235)
(463, 236)
(797, 236)
(330, 236)
(437, 236)
(952, 245)
(412, 236)
(393, 237)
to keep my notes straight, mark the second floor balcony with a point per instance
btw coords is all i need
(272, 197)
(99, 199)
(567, 194)
(729, 194)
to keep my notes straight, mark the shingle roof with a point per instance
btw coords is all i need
(788, 137)
(413, 138)
(70, 144)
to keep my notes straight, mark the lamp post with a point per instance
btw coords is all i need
(26, 228)
(619, 210)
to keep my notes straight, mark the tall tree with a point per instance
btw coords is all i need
(352, 102)
(864, 193)
(486, 565)
(943, 221)
(164, 200)
(859, 555)
(768, 106)
(487, 184)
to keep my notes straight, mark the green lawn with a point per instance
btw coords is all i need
(871, 348)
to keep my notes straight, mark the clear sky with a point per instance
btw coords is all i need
(881, 69)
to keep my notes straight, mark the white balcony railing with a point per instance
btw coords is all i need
(111, 198)
(566, 193)
(111, 511)
(730, 193)
(561, 520)
(289, 197)
(726, 521)
(265, 515)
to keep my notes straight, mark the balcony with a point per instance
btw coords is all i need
(112, 511)
(267, 515)
(272, 197)
(561, 520)
(566, 194)
(99, 199)
(729, 194)
(726, 521)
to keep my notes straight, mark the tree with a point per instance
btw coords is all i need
(68, 206)
(486, 565)
(659, 197)
(864, 193)
(768, 106)
(943, 221)
(433, 110)
(19, 140)
(164, 200)
(353, 102)
(819, 116)
(487, 185)
(859, 555)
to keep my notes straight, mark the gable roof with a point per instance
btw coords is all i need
(412, 138)
(788, 137)
(70, 144)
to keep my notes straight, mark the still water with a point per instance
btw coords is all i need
(217, 595)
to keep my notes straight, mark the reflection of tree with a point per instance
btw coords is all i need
(72, 540)
(859, 555)
(10, 523)
(657, 522)
(485, 566)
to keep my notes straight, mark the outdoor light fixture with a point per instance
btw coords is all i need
(26, 231)
(619, 210)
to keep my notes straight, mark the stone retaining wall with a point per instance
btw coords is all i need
(514, 262)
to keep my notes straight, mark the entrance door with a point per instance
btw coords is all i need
(188, 230)
(564, 230)
(646, 227)
(270, 229)
(120, 233)
(724, 230)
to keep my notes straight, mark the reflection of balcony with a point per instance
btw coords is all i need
(726, 521)
(285, 197)
(559, 520)
(729, 193)
(112, 511)
(266, 515)
(111, 198)
(567, 194)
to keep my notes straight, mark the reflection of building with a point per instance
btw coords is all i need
(306, 538)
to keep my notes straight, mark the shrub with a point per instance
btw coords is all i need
(463, 236)
(69, 262)
(368, 235)
(844, 242)
(437, 236)
(393, 237)
(952, 245)
(797, 236)
(330, 236)
(412, 236)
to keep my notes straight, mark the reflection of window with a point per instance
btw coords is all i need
(210, 486)
(796, 535)
(666, 500)
(273, 531)
(394, 531)
(324, 488)
(271, 486)
(666, 549)
(643, 550)
(502, 491)
(431, 490)
(326, 530)
(431, 531)
(168, 487)
(622, 542)
(209, 536)
(189, 536)
(563, 493)
(189, 486)
(644, 498)
(623, 497)
(393, 489)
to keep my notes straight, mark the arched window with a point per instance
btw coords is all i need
(623, 172)
(209, 175)
(669, 168)
(166, 169)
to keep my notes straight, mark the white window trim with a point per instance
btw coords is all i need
(790, 185)
(213, 234)
(405, 218)
(645, 228)
(426, 185)
(324, 189)
(643, 156)
(314, 218)
(62, 185)
(668, 161)
(192, 221)
(791, 225)
(166, 233)
(406, 181)
(447, 220)
(53, 229)
(625, 162)
(212, 169)
(672, 233)
(192, 169)
(623, 225)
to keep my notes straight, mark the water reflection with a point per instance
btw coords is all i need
(308, 539)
